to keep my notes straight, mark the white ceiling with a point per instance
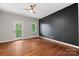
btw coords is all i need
(42, 9)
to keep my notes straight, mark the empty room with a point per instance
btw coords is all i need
(39, 29)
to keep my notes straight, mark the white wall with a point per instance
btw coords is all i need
(6, 26)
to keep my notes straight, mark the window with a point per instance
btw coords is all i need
(18, 30)
(33, 27)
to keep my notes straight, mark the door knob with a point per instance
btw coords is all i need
(14, 31)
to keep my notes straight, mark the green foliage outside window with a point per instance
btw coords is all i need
(33, 27)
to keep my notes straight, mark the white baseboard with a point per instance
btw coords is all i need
(8, 40)
(17, 39)
(30, 37)
(44, 38)
(61, 42)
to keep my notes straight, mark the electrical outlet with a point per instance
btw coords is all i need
(51, 36)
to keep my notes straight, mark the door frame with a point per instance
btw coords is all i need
(14, 28)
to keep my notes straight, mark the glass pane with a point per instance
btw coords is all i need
(18, 30)
(33, 27)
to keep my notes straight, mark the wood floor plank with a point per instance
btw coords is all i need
(36, 47)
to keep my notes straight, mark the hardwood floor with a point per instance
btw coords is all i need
(36, 47)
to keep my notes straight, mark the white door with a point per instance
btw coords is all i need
(17, 29)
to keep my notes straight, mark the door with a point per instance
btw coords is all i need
(17, 29)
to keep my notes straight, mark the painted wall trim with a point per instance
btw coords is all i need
(44, 38)
(60, 42)
(17, 39)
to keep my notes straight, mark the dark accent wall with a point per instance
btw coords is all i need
(61, 25)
